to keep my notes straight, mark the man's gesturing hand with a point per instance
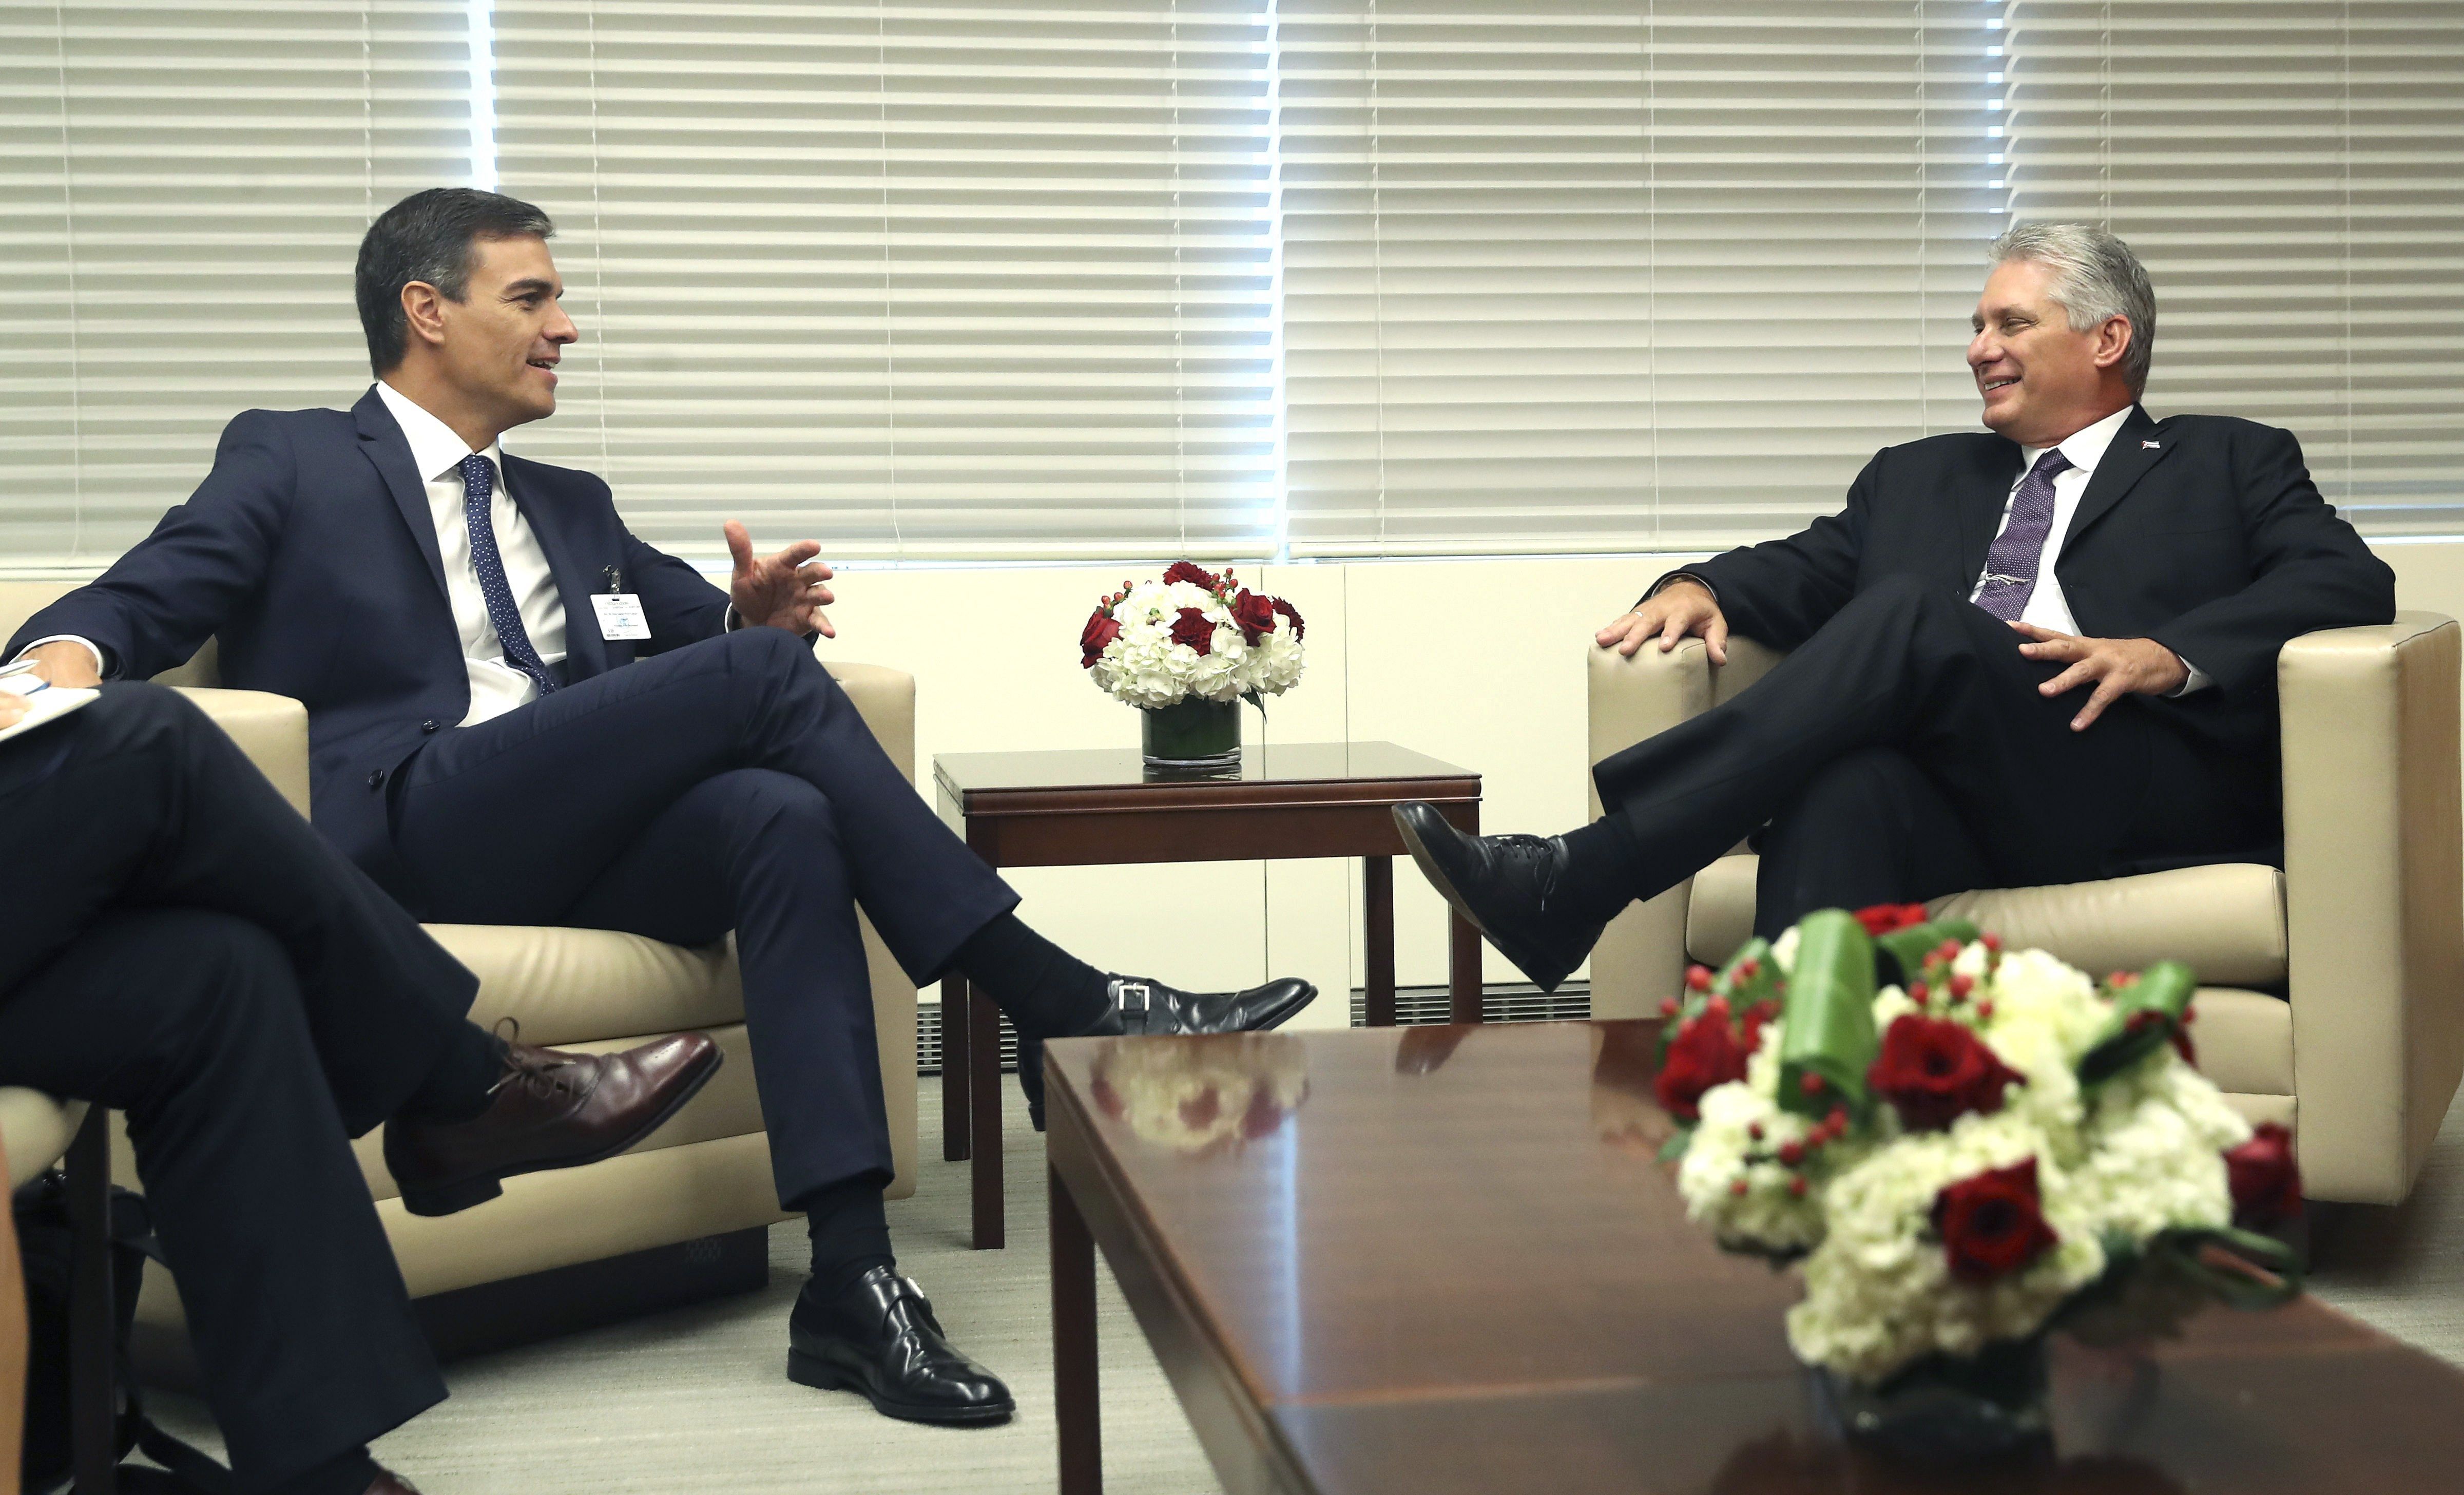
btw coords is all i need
(2118, 667)
(783, 591)
(1685, 608)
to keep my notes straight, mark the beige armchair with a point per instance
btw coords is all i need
(704, 1173)
(2364, 927)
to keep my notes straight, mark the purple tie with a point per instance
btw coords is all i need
(2011, 565)
(478, 481)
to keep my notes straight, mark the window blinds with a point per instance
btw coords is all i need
(924, 280)
(182, 188)
(1608, 275)
(2293, 176)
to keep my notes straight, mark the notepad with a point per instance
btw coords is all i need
(43, 704)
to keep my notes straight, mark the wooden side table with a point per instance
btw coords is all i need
(1102, 807)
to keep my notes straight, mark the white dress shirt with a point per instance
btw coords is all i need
(497, 686)
(2047, 608)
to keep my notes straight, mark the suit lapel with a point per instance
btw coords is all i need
(2123, 464)
(382, 439)
(1983, 491)
(534, 492)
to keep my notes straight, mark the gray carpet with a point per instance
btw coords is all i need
(697, 1400)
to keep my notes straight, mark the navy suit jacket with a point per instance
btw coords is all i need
(2201, 532)
(310, 553)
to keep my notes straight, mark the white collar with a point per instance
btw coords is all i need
(2085, 446)
(434, 450)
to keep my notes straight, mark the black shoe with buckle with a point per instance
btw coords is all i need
(1141, 1006)
(879, 1339)
(1512, 887)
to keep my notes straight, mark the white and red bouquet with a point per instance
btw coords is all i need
(1960, 1147)
(1193, 634)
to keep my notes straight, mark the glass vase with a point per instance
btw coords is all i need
(1193, 736)
(1942, 1410)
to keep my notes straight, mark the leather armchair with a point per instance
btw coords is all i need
(705, 1173)
(2333, 995)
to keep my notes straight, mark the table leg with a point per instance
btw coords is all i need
(92, 1323)
(1378, 939)
(1077, 1411)
(1463, 953)
(984, 1105)
(956, 1077)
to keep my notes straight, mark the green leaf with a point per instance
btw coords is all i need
(1909, 947)
(1674, 1149)
(2243, 1268)
(2146, 1014)
(1829, 1010)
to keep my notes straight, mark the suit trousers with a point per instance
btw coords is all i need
(1904, 751)
(176, 942)
(727, 784)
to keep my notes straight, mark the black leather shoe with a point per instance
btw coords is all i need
(879, 1339)
(1512, 887)
(1143, 1006)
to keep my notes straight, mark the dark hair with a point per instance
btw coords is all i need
(427, 237)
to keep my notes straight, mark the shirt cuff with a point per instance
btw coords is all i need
(1679, 574)
(735, 620)
(2199, 680)
(101, 666)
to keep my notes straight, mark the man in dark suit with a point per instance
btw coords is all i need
(520, 714)
(177, 943)
(2045, 654)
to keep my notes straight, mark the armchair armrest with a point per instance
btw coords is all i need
(2374, 897)
(272, 730)
(1641, 956)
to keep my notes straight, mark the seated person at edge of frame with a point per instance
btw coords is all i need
(522, 715)
(2042, 656)
(177, 943)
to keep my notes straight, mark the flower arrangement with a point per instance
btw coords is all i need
(1196, 634)
(1987, 1147)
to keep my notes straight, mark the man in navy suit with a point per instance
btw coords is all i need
(520, 714)
(2040, 654)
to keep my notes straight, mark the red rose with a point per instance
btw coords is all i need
(1184, 571)
(1992, 1224)
(1884, 918)
(1756, 1015)
(1100, 630)
(1255, 614)
(1192, 628)
(2266, 1182)
(1300, 629)
(1704, 1053)
(1934, 1070)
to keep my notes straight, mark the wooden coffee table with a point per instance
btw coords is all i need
(1104, 808)
(1455, 1266)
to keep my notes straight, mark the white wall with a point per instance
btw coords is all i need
(1476, 662)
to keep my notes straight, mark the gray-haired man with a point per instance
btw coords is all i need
(2041, 654)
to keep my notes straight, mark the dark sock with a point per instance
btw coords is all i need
(457, 1085)
(345, 1474)
(1603, 868)
(850, 1233)
(1047, 991)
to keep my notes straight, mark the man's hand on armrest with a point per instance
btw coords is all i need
(2117, 666)
(1681, 608)
(68, 662)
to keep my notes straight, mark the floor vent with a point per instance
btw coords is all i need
(1413, 1005)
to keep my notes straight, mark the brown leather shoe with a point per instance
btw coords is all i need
(389, 1482)
(552, 1110)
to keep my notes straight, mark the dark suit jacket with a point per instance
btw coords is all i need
(311, 554)
(2201, 532)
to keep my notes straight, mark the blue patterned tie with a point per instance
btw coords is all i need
(478, 481)
(2011, 565)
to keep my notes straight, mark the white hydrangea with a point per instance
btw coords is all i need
(1146, 669)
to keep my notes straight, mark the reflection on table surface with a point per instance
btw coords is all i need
(1201, 1095)
(1101, 768)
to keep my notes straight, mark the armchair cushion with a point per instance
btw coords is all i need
(35, 1130)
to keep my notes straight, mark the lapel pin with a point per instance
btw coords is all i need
(2151, 445)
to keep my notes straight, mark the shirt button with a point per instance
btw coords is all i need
(428, 726)
(376, 777)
